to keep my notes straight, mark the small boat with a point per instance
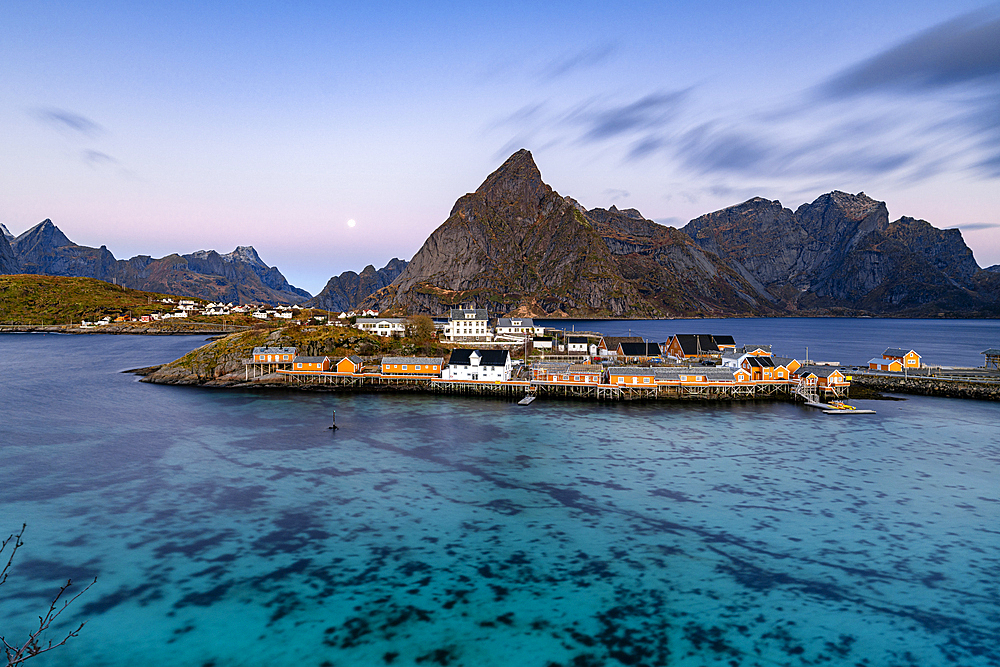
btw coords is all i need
(841, 408)
(527, 400)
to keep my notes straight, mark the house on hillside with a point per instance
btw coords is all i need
(412, 366)
(468, 324)
(481, 365)
(384, 326)
(577, 345)
(907, 358)
(273, 354)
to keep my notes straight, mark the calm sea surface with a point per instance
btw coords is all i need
(232, 528)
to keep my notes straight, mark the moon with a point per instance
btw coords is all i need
(351, 223)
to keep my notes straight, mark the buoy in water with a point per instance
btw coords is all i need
(333, 427)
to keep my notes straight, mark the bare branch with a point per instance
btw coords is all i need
(33, 646)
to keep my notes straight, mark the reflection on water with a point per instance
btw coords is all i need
(234, 529)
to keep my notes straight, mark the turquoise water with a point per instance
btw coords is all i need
(233, 528)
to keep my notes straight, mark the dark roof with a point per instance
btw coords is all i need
(895, 352)
(578, 339)
(460, 313)
(611, 342)
(750, 348)
(640, 349)
(355, 358)
(693, 344)
(992, 351)
(818, 371)
(760, 362)
(309, 360)
(724, 340)
(463, 357)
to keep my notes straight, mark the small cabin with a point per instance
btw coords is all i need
(351, 364)
(883, 364)
(582, 374)
(272, 355)
(311, 364)
(908, 358)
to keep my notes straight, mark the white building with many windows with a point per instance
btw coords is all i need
(470, 324)
(483, 365)
(383, 326)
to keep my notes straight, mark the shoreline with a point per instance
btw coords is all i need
(116, 330)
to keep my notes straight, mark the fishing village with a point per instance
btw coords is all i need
(518, 359)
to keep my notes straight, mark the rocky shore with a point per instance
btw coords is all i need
(928, 386)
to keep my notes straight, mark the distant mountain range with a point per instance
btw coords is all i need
(239, 276)
(516, 246)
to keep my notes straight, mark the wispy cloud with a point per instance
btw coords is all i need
(928, 105)
(581, 60)
(97, 158)
(614, 194)
(963, 50)
(67, 120)
(973, 226)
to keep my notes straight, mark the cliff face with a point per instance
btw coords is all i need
(347, 290)
(515, 244)
(8, 262)
(239, 276)
(841, 251)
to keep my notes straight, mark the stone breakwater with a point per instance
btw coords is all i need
(930, 386)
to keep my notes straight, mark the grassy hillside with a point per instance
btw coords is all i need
(31, 299)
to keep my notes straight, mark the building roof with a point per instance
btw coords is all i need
(647, 349)
(724, 340)
(992, 351)
(413, 360)
(585, 368)
(759, 362)
(524, 322)
(460, 314)
(355, 359)
(611, 342)
(896, 352)
(373, 320)
(782, 361)
(274, 350)
(631, 370)
(309, 360)
(818, 371)
(747, 349)
(696, 344)
(463, 357)
(882, 360)
(578, 339)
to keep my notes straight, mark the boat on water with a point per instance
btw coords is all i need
(841, 408)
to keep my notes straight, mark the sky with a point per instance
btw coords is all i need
(154, 128)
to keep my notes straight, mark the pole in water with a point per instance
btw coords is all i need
(333, 427)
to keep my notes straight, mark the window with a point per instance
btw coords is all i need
(576, 378)
(298, 365)
(416, 367)
(645, 380)
(404, 367)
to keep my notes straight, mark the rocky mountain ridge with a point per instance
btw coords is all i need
(239, 276)
(345, 291)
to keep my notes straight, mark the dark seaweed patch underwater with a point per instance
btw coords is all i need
(234, 529)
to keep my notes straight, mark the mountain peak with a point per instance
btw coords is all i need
(516, 184)
(6, 232)
(244, 253)
(45, 233)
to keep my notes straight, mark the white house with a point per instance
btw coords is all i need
(385, 326)
(578, 344)
(518, 326)
(485, 365)
(468, 324)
